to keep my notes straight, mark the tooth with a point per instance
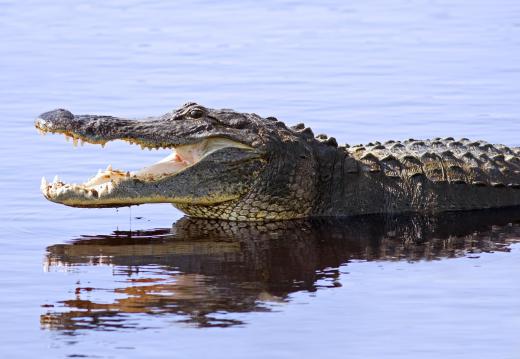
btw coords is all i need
(67, 138)
(75, 142)
(44, 183)
(99, 172)
(127, 174)
(56, 179)
(81, 142)
(109, 168)
(103, 145)
(142, 147)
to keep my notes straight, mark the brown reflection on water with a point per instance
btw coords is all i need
(204, 272)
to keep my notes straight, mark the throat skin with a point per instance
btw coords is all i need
(348, 186)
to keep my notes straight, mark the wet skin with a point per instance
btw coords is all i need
(243, 167)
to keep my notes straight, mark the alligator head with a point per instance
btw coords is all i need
(224, 164)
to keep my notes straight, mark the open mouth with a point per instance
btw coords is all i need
(104, 183)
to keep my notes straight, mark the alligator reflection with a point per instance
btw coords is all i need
(202, 271)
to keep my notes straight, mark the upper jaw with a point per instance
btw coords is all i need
(152, 132)
(191, 142)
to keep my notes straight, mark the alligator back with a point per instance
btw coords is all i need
(424, 175)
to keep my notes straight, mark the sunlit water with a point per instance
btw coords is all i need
(126, 284)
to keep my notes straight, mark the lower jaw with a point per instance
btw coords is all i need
(126, 202)
(109, 203)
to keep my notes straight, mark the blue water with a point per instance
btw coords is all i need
(362, 71)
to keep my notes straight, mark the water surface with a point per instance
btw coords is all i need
(128, 283)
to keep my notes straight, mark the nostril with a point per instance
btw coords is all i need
(59, 114)
(50, 119)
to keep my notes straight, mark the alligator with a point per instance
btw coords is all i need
(243, 167)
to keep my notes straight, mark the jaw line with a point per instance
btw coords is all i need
(97, 190)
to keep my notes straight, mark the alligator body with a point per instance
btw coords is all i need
(240, 166)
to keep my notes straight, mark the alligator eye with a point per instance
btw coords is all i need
(196, 113)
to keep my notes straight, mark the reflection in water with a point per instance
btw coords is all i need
(203, 271)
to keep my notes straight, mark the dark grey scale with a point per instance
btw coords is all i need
(464, 141)
(438, 145)
(411, 165)
(514, 162)
(350, 165)
(379, 147)
(489, 149)
(307, 132)
(331, 141)
(453, 168)
(448, 139)
(507, 170)
(456, 145)
(322, 136)
(474, 146)
(391, 166)
(397, 147)
(298, 126)
(505, 150)
(417, 146)
(388, 143)
(432, 167)
(358, 150)
(495, 176)
(370, 163)
(473, 168)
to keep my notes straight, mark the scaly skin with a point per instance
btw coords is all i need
(284, 172)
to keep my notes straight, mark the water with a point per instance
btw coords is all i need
(361, 71)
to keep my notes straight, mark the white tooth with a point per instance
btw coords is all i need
(109, 168)
(44, 184)
(103, 145)
(75, 142)
(81, 142)
(67, 138)
(56, 179)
